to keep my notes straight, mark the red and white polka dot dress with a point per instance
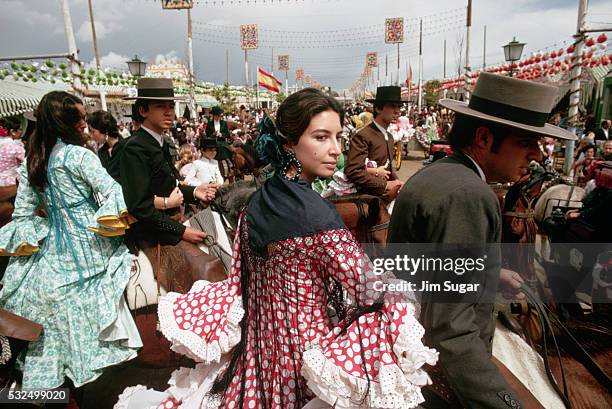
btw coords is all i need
(293, 351)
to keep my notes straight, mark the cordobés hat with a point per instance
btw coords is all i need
(389, 93)
(155, 88)
(206, 143)
(512, 102)
(216, 110)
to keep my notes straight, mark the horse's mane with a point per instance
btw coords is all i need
(249, 149)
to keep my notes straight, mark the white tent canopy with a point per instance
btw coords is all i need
(17, 97)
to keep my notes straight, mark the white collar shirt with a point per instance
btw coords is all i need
(157, 136)
(478, 168)
(381, 129)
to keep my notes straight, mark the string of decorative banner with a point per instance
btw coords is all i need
(230, 40)
(551, 64)
(412, 23)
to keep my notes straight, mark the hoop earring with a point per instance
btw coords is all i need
(289, 159)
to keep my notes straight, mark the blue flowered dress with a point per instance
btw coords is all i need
(69, 271)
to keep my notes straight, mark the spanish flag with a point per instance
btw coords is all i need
(268, 81)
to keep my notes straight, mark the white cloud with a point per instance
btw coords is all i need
(83, 34)
(111, 60)
(170, 57)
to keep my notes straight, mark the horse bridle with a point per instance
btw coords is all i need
(582, 355)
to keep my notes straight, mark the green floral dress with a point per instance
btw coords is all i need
(69, 271)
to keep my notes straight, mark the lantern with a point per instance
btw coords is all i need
(602, 38)
(570, 49)
(589, 42)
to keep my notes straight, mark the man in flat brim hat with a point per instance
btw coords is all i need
(147, 170)
(494, 139)
(374, 145)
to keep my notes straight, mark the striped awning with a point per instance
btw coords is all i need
(18, 97)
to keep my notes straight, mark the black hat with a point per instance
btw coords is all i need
(390, 94)
(156, 88)
(206, 143)
(216, 110)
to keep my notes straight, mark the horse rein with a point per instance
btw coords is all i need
(547, 326)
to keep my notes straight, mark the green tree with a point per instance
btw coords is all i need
(280, 97)
(226, 101)
(431, 93)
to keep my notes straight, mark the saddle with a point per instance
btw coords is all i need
(441, 395)
(366, 217)
(176, 268)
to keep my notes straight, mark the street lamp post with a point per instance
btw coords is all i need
(137, 67)
(512, 52)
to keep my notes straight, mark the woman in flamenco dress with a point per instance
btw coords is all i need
(301, 322)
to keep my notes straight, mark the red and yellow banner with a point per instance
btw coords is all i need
(268, 81)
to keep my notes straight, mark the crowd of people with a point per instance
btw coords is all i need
(298, 322)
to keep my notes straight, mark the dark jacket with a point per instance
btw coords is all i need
(448, 202)
(111, 162)
(601, 136)
(147, 171)
(369, 143)
(210, 130)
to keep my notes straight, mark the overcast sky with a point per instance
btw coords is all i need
(328, 38)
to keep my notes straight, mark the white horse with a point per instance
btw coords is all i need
(565, 196)
(526, 364)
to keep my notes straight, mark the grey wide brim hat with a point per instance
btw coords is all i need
(512, 102)
(159, 89)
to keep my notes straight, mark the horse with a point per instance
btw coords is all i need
(155, 272)
(524, 208)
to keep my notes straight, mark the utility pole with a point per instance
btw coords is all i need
(467, 50)
(272, 65)
(484, 49)
(576, 72)
(191, 76)
(444, 72)
(386, 69)
(398, 64)
(420, 96)
(96, 53)
(93, 32)
(227, 66)
(75, 68)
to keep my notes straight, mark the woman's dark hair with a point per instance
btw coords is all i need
(13, 123)
(105, 123)
(295, 113)
(56, 117)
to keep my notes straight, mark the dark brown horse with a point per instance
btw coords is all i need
(367, 218)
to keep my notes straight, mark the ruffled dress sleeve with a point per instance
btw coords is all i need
(112, 218)
(24, 234)
(204, 324)
(375, 359)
